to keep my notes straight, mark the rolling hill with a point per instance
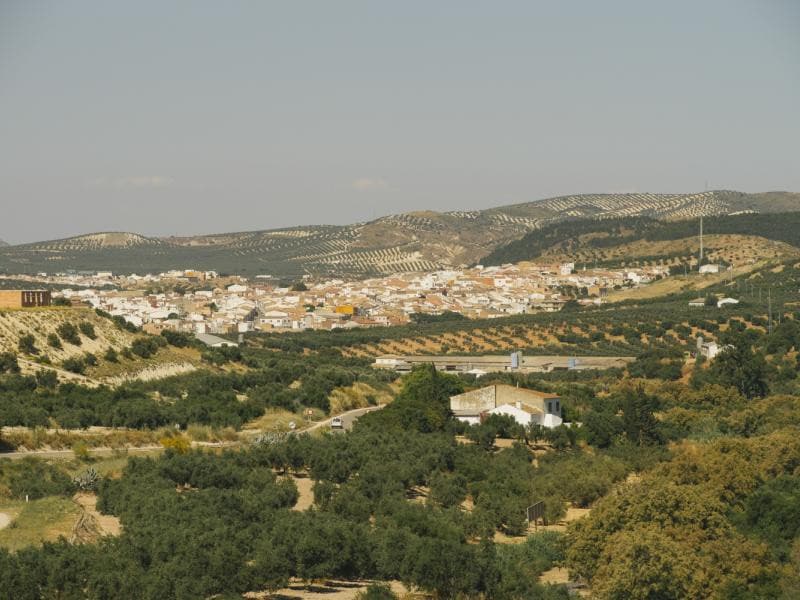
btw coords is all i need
(634, 239)
(396, 243)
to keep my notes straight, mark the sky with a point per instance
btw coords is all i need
(165, 117)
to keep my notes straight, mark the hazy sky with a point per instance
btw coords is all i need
(188, 117)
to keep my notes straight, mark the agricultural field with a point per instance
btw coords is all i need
(642, 240)
(411, 502)
(396, 243)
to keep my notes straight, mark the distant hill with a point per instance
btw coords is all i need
(2, 243)
(613, 240)
(405, 242)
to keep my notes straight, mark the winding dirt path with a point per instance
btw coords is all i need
(105, 524)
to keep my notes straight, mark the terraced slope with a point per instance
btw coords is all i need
(405, 242)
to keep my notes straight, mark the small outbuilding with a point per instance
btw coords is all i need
(214, 341)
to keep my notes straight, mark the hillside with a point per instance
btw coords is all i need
(406, 242)
(615, 240)
(103, 334)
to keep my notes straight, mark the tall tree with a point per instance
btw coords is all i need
(740, 367)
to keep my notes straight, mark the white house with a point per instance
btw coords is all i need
(708, 269)
(725, 301)
(708, 349)
(524, 405)
(525, 414)
(275, 318)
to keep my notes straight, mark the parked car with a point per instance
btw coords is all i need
(337, 423)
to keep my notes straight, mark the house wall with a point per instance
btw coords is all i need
(475, 401)
(10, 299)
(508, 394)
(487, 398)
(520, 416)
(24, 298)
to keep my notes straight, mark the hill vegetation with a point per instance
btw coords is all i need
(90, 347)
(686, 469)
(669, 470)
(406, 242)
(597, 240)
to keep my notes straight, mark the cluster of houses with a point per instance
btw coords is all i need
(205, 303)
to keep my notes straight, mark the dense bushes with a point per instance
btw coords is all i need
(145, 347)
(687, 503)
(199, 524)
(8, 362)
(33, 478)
(200, 397)
(658, 363)
(177, 338)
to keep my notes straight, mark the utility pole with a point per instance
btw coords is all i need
(701, 243)
(769, 309)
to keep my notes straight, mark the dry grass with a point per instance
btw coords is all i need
(37, 521)
(305, 487)
(360, 395)
(39, 438)
(277, 419)
(41, 322)
(105, 524)
(166, 362)
(332, 590)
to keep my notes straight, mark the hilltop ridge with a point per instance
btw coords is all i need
(414, 241)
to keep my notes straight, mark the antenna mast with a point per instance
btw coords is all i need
(701, 242)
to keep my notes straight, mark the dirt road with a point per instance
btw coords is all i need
(348, 418)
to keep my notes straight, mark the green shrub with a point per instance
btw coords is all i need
(69, 333)
(27, 344)
(87, 329)
(176, 338)
(74, 365)
(8, 363)
(36, 479)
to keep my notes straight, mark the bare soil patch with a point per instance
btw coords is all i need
(106, 524)
(305, 487)
(329, 590)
